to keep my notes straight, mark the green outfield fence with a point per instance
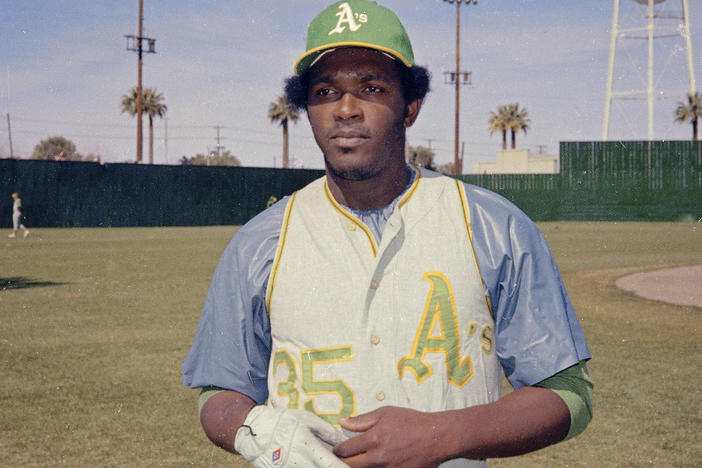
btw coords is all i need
(610, 181)
(626, 181)
(83, 194)
(635, 180)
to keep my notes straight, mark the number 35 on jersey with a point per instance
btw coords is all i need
(438, 333)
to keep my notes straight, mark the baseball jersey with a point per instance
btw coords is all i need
(535, 333)
(357, 324)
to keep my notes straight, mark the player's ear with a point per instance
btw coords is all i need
(412, 113)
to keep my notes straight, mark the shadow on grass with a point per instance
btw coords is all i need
(19, 282)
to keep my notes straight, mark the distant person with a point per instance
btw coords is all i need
(17, 217)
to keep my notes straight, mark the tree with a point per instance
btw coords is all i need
(92, 157)
(509, 118)
(281, 111)
(421, 157)
(56, 148)
(213, 159)
(446, 169)
(518, 121)
(498, 122)
(690, 112)
(151, 105)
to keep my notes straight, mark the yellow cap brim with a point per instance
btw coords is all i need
(308, 58)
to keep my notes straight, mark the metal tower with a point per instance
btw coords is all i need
(653, 22)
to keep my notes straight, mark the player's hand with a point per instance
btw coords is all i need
(281, 437)
(391, 437)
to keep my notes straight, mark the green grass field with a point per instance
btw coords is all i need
(95, 323)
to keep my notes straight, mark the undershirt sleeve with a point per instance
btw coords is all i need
(574, 386)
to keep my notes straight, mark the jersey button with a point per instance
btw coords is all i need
(374, 284)
(380, 396)
(375, 339)
(351, 227)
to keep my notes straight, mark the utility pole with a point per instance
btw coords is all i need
(219, 145)
(463, 150)
(9, 135)
(135, 44)
(165, 138)
(457, 78)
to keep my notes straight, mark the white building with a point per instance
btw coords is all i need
(519, 161)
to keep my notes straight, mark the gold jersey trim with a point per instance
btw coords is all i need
(411, 190)
(340, 209)
(279, 252)
(466, 218)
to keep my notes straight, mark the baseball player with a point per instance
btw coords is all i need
(368, 319)
(17, 217)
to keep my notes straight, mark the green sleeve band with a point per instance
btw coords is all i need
(574, 386)
(205, 395)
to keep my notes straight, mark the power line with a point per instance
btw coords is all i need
(69, 122)
(170, 126)
(108, 137)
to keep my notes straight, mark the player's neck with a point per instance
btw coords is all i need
(372, 193)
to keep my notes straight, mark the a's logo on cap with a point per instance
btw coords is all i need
(348, 17)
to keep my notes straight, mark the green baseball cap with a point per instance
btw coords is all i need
(356, 23)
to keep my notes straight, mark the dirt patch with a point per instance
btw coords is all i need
(680, 285)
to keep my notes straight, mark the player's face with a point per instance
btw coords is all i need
(358, 113)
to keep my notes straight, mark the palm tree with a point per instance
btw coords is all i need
(690, 112)
(509, 117)
(518, 120)
(498, 122)
(151, 105)
(281, 111)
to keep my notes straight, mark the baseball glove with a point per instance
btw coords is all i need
(278, 437)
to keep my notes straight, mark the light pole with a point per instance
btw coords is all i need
(458, 77)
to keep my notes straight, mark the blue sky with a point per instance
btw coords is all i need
(64, 67)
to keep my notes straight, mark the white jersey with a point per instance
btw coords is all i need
(17, 207)
(357, 325)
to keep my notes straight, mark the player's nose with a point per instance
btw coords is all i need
(348, 107)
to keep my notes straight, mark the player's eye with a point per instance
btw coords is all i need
(322, 92)
(372, 89)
